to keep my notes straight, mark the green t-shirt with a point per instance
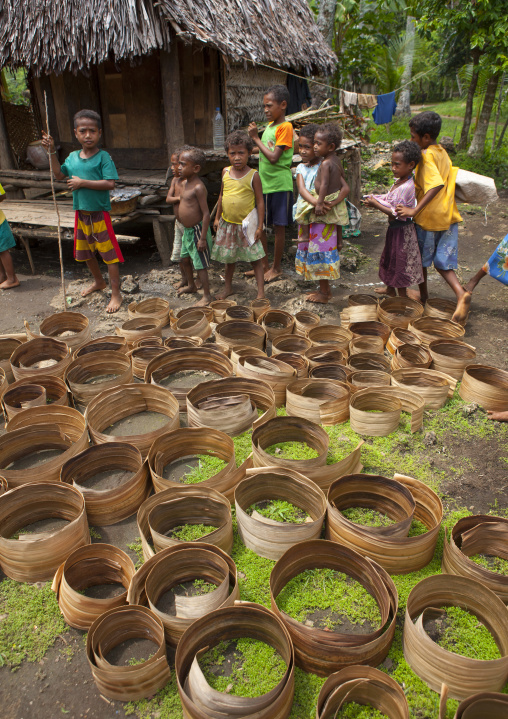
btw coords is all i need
(98, 167)
(277, 177)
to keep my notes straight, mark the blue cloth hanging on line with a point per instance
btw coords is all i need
(385, 108)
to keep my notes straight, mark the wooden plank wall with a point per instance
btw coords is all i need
(200, 84)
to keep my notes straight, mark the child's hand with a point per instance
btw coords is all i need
(320, 210)
(253, 130)
(369, 201)
(328, 206)
(258, 233)
(74, 183)
(201, 246)
(216, 224)
(47, 142)
(404, 212)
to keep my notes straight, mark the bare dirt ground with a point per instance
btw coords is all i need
(61, 683)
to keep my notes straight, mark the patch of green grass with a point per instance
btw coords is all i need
(207, 467)
(32, 623)
(352, 710)
(280, 511)
(325, 590)
(243, 447)
(137, 548)
(367, 517)
(292, 450)
(243, 668)
(191, 532)
(463, 633)
(164, 705)
(416, 528)
(203, 587)
(94, 534)
(253, 571)
(492, 564)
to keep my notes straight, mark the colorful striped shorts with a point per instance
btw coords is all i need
(93, 232)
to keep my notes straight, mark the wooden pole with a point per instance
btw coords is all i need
(6, 156)
(62, 276)
(170, 78)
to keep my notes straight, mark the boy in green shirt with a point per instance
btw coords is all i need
(91, 174)
(275, 158)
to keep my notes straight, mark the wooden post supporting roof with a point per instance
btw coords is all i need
(6, 157)
(170, 77)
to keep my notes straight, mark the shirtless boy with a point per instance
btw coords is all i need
(173, 198)
(195, 218)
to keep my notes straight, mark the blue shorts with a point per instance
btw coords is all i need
(7, 240)
(440, 248)
(279, 208)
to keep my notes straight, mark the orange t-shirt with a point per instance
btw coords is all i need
(284, 135)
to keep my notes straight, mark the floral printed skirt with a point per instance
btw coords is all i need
(231, 245)
(318, 259)
(497, 264)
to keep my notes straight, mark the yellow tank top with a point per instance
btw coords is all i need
(238, 197)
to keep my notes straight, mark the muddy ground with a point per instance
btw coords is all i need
(61, 684)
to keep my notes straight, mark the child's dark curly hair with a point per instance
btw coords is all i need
(279, 92)
(239, 137)
(332, 133)
(88, 115)
(426, 123)
(197, 156)
(409, 150)
(309, 131)
(183, 148)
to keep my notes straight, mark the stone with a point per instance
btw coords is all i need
(291, 251)
(447, 143)
(470, 409)
(129, 285)
(489, 238)
(430, 439)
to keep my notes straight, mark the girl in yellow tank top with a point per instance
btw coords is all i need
(241, 192)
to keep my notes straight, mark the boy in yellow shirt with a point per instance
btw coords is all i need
(436, 214)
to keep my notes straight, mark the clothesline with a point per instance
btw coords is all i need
(338, 89)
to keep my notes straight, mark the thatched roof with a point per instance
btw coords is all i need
(55, 35)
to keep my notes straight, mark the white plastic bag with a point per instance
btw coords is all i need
(474, 188)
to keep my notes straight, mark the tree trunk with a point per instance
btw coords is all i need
(326, 19)
(404, 103)
(477, 147)
(498, 113)
(501, 136)
(6, 157)
(468, 114)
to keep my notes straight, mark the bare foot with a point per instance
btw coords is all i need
(414, 295)
(385, 291)
(470, 286)
(318, 296)
(95, 287)
(178, 285)
(260, 295)
(249, 273)
(9, 284)
(498, 416)
(198, 284)
(225, 293)
(187, 290)
(114, 304)
(463, 304)
(204, 301)
(272, 275)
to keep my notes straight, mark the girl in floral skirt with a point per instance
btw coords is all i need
(241, 192)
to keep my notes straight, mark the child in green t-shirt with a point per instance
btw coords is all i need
(91, 174)
(275, 157)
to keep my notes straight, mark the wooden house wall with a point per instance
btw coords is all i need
(201, 92)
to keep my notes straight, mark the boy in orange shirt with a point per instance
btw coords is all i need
(436, 214)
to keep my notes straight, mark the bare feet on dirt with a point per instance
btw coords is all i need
(498, 416)
(9, 284)
(319, 297)
(463, 304)
(272, 275)
(414, 295)
(249, 273)
(114, 304)
(187, 290)
(198, 284)
(204, 301)
(470, 286)
(178, 285)
(224, 293)
(385, 291)
(94, 287)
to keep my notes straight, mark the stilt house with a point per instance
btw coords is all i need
(156, 70)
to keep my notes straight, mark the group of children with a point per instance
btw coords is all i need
(422, 212)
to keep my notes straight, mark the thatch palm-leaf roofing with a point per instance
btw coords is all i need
(56, 35)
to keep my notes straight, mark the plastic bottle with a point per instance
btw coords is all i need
(218, 130)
